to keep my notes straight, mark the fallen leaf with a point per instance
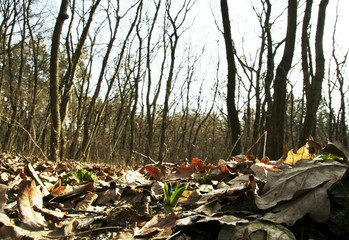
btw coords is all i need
(295, 192)
(223, 166)
(109, 196)
(29, 195)
(154, 172)
(30, 171)
(336, 148)
(301, 154)
(133, 178)
(201, 218)
(256, 230)
(89, 198)
(315, 202)
(198, 164)
(3, 197)
(10, 231)
(161, 223)
(184, 171)
(286, 185)
(75, 190)
(157, 190)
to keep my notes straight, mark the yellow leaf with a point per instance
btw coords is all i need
(301, 154)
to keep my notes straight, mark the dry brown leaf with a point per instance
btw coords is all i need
(157, 190)
(161, 223)
(315, 202)
(291, 183)
(298, 191)
(255, 230)
(3, 197)
(61, 190)
(87, 201)
(30, 171)
(76, 190)
(133, 179)
(183, 171)
(29, 195)
(109, 196)
(50, 214)
(8, 230)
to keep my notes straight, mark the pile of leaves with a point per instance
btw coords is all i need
(304, 195)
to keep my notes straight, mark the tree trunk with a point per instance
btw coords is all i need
(313, 90)
(151, 104)
(277, 122)
(232, 111)
(54, 83)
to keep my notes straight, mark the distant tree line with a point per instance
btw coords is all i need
(120, 82)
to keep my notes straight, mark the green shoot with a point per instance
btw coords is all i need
(172, 196)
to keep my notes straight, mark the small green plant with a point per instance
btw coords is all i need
(79, 176)
(206, 178)
(172, 195)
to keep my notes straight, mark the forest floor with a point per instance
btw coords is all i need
(303, 196)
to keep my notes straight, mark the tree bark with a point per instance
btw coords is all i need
(277, 122)
(54, 83)
(231, 107)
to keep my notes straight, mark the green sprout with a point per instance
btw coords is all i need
(172, 195)
(206, 178)
(79, 176)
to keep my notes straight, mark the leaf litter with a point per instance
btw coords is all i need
(239, 198)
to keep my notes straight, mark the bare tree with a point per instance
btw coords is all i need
(313, 89)
(340, 64)
(151, 102)
(54, 82)
(231, 106)
(100, 113)
(278, 109)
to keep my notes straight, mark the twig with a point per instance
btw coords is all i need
(84, 232)
(144, 156)
(25, 130)
(231, 152)
(265, 143)
(258, 140)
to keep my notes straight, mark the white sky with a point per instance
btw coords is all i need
(246, 31)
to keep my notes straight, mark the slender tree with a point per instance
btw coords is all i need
(231, 106)
(313, 88)
(278, 109)
(54, 82)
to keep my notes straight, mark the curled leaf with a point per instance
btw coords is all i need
(301, 154)
(29, 195)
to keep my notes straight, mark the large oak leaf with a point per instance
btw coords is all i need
(295, 192)
(29, 195)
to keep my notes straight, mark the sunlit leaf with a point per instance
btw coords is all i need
(3, 197)
(29, 196)
(301, 154)
(89, 198)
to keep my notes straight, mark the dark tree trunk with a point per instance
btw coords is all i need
(231, 107)
(313, 89)
(277, 122)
